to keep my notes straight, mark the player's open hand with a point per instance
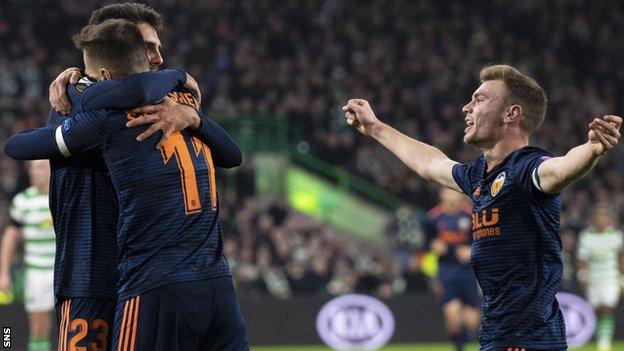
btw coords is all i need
(359, 114)
(168, 116)
(58, 90)
(604, 133)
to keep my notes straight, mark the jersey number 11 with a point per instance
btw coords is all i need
(175, 146)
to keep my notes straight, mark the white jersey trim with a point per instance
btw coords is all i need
(60, 142)
(535, 179)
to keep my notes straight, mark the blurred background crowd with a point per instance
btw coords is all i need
(417, 62)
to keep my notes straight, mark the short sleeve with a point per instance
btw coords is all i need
(461, 175)
(525, 171)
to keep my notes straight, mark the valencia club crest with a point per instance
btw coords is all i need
(498, 184)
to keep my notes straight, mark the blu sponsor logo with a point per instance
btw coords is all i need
(355, 322)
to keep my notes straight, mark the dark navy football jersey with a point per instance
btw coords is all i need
(454, 229)
(82, 198)
(516, 251)
(168, 225)
(168, 229)
(84, 207)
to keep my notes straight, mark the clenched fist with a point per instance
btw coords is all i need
(359, 114)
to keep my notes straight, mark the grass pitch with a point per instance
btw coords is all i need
(414, 347)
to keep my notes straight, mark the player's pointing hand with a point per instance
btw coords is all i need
(359, 114)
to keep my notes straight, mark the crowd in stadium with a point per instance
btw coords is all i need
(301, 60)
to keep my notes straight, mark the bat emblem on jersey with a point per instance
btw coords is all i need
(498, 184)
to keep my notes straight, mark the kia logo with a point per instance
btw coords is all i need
(355, 322)
(579, 317)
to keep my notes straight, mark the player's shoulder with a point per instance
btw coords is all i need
(84, 83)
(76, 91)
(528, 153)
(473, 169)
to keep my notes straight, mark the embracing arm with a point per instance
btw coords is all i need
(225, 152)
(132, 91)
(556, 173)
(33, 144)
(426, 160)
(81, 132)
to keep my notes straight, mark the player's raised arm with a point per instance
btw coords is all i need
(132, 91)
(556, 173)
(426, 160)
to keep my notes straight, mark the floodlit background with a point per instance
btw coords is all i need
(317, 210)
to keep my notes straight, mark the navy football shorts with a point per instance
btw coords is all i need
(190, 316)
(463, 287)
(84, 323)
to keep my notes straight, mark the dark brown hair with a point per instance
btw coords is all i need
(130, 11)
(523, 90)
(114, 44)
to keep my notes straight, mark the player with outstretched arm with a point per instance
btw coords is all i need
(515, 190)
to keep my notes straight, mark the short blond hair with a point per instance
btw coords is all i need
(523, 90)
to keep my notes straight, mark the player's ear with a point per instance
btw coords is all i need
(105, 74)
(513, 113)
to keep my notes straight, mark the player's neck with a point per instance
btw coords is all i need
(496, 154)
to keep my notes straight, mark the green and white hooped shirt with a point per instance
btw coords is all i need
(31, 210)
(601, 251)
